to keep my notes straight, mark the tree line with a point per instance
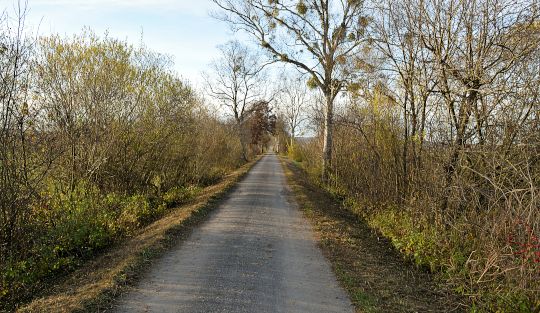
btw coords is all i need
(426, 114)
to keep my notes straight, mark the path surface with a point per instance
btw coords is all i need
(256, 253)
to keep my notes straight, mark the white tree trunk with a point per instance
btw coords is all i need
(328, 131)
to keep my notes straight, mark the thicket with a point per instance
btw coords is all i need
(98, 138)
(437, 144)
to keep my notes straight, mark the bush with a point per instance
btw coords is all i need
(70, 226)
(180, 195)
(295, 153)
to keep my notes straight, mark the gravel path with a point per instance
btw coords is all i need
(256, 253)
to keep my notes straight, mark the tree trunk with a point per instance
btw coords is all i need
(328, 131)
(241, 136)
(244, 148)
(405, 151)
(459, 143)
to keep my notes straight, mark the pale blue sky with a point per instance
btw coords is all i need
(181, 28)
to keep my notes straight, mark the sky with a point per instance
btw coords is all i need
(180, 28)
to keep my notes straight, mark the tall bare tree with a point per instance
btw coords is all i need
(319, 37)
(293, 101)
(237, 82)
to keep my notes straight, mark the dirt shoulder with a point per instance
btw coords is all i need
(92, 287)
(376, 277)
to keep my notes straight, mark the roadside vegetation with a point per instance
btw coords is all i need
(422, 117)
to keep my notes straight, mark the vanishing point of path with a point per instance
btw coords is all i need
(255, 253)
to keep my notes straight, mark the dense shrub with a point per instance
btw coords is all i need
(100, 138)
(484, 242)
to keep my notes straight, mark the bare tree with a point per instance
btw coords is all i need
(319, 37)
(293, 101)
(475, 48)
(18, 171)
(237, 82)
(411, 78)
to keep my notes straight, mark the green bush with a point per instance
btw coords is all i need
(74, 224)
(295, 153)
(180, 195)
(417, 240)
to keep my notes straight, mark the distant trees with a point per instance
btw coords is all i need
(262, 122)
(237, 81)
(321, 38)
(293, 101)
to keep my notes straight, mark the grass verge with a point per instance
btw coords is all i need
(374, 274)
(93, 286)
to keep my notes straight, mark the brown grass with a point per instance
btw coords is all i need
(92, 287)
(375, 275)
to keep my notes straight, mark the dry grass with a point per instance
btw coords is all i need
(374, 274)
(92, 287)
